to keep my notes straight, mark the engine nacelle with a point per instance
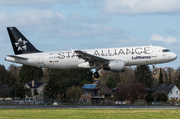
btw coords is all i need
(115, 66)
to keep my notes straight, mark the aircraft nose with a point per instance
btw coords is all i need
(173, 56)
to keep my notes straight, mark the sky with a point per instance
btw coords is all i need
(55, 25)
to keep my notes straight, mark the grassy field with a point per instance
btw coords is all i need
(89, 114)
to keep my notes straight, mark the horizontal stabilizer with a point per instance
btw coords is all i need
(18, 57)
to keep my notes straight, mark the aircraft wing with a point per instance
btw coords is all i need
(92, 59)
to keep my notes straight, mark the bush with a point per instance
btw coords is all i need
(162, 97)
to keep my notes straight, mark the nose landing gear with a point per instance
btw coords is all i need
(154, 71)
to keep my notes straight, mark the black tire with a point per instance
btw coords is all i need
(96, 74)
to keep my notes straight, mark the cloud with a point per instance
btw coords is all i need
(35, 2)
(141, 6)
(29, 17)
(49, 24)
(169, 39)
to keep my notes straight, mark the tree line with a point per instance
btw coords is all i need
(141, 74)
(62, 82)
(58, 82)
(134, 84)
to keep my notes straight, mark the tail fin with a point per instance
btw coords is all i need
(20, 44)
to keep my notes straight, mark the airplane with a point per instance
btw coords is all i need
(113, 59)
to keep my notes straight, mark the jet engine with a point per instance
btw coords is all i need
(115, 66)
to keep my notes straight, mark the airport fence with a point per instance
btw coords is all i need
(77, 102)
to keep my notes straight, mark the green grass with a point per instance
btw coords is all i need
(89, 114)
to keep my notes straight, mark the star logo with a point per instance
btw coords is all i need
(21, 44)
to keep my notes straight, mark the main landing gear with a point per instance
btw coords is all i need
(154, 71)
(96, 74)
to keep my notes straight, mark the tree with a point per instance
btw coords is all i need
(3, 74)
(74, 92)
(120, 94)
(84, 76)
(130, 92)
(29, 73)
(177, 82)
(120, 78)
(6, 78)
(11, 80)
(110, 83)
(14, 71)
(106, 73)
(55, 85)
(161, 77)
(60, 80)
(166, 78)
(25, 74)
(169, 73)
(143, 75)
(18, 91)
(136, 91)
(155, 96)
(162, 97)
(149, 98)
(4, 91)
(127, 76)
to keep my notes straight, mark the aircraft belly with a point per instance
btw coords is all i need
(62, 63)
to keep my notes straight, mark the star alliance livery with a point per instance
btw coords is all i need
(114, 59)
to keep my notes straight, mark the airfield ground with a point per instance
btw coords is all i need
(89, 113)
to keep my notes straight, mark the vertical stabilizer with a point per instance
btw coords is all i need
(19, 42)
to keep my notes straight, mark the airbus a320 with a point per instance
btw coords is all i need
(114, 59)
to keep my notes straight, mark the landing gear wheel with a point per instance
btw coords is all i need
(154, 72)
(96, 74)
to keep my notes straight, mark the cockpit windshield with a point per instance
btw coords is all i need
(166, 50)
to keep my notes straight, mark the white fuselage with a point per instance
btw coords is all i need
(141, 55)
